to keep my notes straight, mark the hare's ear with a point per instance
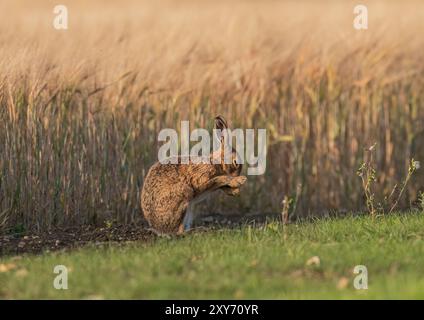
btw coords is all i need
(220, 123)
(222, 134)
(221, 126)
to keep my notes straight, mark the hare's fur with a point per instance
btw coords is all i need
(170, 190)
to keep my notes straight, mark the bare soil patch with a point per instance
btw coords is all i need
(75, 237)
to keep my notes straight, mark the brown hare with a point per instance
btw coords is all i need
(170, 190)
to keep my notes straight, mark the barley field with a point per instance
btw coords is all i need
(80, 109)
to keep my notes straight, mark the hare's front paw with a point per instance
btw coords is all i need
(237, 182)
(231, 191)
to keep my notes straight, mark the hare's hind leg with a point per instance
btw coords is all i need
(188, 218)
(181, 214)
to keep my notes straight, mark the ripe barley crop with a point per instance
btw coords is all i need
(80, 109)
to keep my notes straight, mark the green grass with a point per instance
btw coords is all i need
(259, 263)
